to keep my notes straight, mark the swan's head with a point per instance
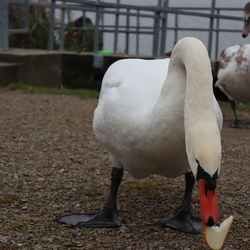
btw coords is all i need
(246, 26)
(204, 154)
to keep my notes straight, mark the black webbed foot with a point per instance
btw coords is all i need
(239, 124)
(105, 218)
(108, 217)
(185, 222)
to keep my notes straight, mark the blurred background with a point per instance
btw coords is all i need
(86, 36)
(135, 27)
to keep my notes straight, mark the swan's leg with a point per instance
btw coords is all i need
(108, 217)
(184, 220)
(237, 123)
(233, 106)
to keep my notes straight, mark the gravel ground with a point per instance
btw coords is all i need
(51, 164)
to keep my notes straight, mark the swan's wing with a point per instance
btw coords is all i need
(130, 89)
(132, 85)
(136, 78)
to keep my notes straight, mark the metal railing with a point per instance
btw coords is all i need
(122, 17)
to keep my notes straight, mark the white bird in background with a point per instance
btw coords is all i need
(234, 77)
(161, 117)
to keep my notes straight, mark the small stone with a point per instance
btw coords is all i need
(3, 239)
(68, 244)
(123, 229)
(139, 214)
(37, 247)
(62, 171)
(77, 205)
(89, 246)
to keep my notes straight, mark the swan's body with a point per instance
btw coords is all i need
(142, 127)
(123, 120)
(234, 75)
(161, 117)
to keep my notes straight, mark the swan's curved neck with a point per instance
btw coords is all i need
(189, 82)
(184, 117)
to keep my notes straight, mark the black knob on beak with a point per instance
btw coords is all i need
(210, 222)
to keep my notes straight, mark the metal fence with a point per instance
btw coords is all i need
(133, 18)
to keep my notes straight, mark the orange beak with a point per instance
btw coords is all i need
(208, 204)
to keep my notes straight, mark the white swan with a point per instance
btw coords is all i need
(234, 77)
(246, 26)
(154, 122)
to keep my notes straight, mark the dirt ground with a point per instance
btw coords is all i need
(51, 164)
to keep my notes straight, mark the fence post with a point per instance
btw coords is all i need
(116, 26)
(26, 15)
(51, 25)
(164, 29)
(137, 32)
(217, 36)
(156, 29)
(4, 37)
(211, 25)
(176, 20)
(97, 26)
(127, 32)
(62, 28)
